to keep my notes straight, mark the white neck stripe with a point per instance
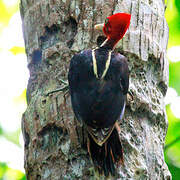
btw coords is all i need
(95, 64)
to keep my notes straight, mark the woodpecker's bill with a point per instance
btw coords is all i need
(98, 82)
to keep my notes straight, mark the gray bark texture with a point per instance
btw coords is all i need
(55, 143)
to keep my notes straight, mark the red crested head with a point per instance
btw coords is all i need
(115, 26)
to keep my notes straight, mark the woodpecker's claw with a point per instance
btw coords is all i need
(64, 82)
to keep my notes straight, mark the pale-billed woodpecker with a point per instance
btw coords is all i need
(98, 83)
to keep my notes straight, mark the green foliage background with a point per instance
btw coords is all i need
(172, 153)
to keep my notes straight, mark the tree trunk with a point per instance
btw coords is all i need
(55, 143)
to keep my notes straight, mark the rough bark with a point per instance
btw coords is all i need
(54, 30)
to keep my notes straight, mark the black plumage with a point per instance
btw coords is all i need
(99, 103)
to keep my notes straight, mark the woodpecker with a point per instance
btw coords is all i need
(98, 82)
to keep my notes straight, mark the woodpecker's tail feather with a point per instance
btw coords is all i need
(106, 156)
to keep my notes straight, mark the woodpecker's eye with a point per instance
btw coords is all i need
(107, 26)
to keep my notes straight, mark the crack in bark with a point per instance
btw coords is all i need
(93, 20)
(114, 6)
(138, 6)
(140, 43)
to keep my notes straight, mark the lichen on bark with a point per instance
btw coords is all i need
(55, 143)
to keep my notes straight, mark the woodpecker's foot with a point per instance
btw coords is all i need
(130, 96)
(63, 82)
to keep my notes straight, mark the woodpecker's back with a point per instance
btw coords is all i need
(99, 81)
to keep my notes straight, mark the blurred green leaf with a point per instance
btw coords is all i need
(173, 19)
(6, 13)
(175, 171)
(1, 131)
(13, 136)
(174, 126)
(177, 4)
(174, 76)
(3, 169)
(12, 174)
(172, 153)
(9, 173)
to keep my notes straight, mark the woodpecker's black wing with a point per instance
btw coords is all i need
(79, 74)
(93, 100)
(98, 103)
